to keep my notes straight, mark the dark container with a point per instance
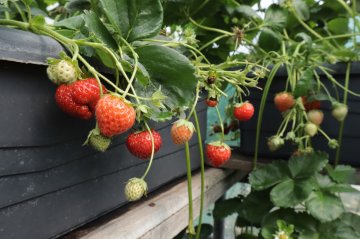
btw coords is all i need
(272, 119)
(49, 183)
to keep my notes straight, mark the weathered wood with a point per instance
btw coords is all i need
(163, 214)
(242, 162)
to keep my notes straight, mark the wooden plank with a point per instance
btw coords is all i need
(242, 162)
(164, 214)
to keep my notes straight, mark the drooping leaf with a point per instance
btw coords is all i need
(341, 173)
(226, 207)
(134, 19)
(269, 40)
(276, 17)
(291, 192)
(338, 25)
(172, 71)
(255, 206)
(75, 22)
(305, 166)
(269, 175)
(305, 84)
(247, 11)
(95, 26)
(324, 206)
(302, 10)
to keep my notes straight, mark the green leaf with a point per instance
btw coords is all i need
(38, 21)
(134, 19)
(305, 166)
(305, 84)
(352, 220)
(77, 5)
(172, 71)
(75, 22)
(302, 10)
(269, 175)
(324, 206)
(255, 206)
(341, 173)
(247, 11)
(291, 192)
(269, 40)
(276, 17)
(95, 26)
(338, 26)
(226, 207)
(342, 188)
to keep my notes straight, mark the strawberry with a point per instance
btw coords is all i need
(339, 111)
(211, 102)
(315, 116)
(140, 143)
(86, 92)
(182, 131)
(284, 101)
(311, 129)
(243, 111)
(310, 105)
(275, 142)
(97, 141)
(217, 153)
(135, 188)
(62, 72)
(79, 99)
(114, 116)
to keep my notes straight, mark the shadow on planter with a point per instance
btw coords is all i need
(272, 119)
(49, 183)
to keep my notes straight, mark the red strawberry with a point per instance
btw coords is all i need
(310, 105)
(217, 153)
(211, 102)
(140, 143)
(79, 99)
(284, 101)
(182, 131)
(243, 111)
(114, 116)
(65, 101)
(87, 92)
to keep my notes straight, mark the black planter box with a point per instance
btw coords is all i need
(49, 183)
(272, 119)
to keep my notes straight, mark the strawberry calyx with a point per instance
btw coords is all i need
(219, 144)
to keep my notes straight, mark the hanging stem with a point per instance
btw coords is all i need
(341, 129)
(221, 124)
(261, 111)
(202, 174)
(191, 229)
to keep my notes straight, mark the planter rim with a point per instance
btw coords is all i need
(27, 47)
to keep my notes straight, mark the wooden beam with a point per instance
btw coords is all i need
(163, 214)
(242, 162)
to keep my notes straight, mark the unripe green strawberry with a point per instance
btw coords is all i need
(311, 129)
(135, 188)
(315, 116)
(62, 72)
(97, 141)
(339, 111)
(275, 142)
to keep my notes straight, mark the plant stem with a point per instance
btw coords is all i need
(191, 229)
(202, 174)
(195, 102)
(341, 129)
(261, 111)
(152, 151)
(210, 28)
(221, 124)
